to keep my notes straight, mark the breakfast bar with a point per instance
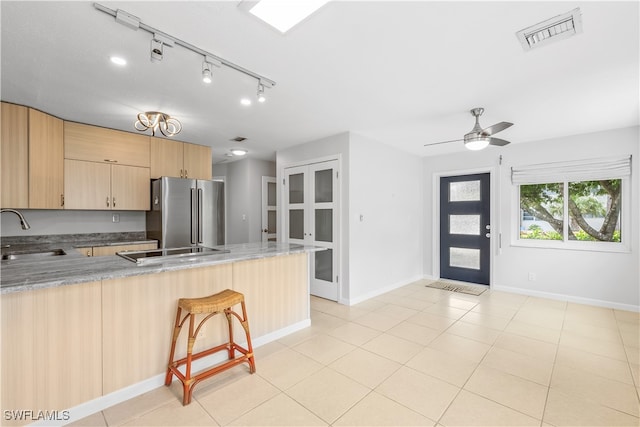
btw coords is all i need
(105, 323)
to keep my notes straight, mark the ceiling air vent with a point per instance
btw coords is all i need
(238, 139)
(554, 29)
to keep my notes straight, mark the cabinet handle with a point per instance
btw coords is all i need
(110, 161)
(62, 200)
(186, 175)
(107, 201)
(181, 173)
(114, 202)
(88, 253)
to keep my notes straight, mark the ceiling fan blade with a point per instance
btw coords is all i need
(498, 127)
(499, 142)
(444, 142)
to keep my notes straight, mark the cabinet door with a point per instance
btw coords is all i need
(51, 347)
(87, 185)
(46, 161)
(166, 158)
(130, 188)
(14, 145)
(197, 161)
(96, 144)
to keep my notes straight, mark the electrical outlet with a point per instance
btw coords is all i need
(115, 218)
(532, 277)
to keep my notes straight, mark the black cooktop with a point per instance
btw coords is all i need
(160, 255)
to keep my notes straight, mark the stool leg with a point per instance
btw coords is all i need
(231, 350)
(187, 386)
(245, 326)
(176, 332)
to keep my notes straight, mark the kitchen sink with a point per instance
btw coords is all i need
(32, 254)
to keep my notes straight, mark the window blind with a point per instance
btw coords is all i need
(575, 170)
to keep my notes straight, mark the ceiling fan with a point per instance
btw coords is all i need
(479, 138)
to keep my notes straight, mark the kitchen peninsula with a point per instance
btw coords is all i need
(78, 330)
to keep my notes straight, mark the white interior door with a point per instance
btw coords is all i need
(268, 209)
(312, 212)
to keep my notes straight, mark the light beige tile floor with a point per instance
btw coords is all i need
(419, 356)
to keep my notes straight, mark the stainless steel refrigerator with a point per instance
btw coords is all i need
(186, 212)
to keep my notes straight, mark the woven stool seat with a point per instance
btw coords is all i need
(211, 305)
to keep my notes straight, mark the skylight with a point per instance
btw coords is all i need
(284, 14)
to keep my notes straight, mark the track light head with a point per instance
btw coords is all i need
(157, 50)
(261, 97)
(207, 76)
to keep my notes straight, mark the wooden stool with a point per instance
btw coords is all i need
(213, 304)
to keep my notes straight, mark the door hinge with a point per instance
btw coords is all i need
(282, 181)
(337, 279)
(337, 174)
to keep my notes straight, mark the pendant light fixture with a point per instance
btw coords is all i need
(156, 120)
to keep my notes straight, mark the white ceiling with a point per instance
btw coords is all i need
(402, 73)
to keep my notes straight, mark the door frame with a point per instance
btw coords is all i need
(493, 216)
(343, 283)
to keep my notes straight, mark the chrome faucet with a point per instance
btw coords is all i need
(23, 222)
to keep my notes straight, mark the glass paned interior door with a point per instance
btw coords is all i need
(311, 218)
(324, 221)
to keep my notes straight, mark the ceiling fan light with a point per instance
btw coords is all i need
(476, 144)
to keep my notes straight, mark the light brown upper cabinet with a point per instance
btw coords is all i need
(32, 159)
(46, 161)
(14, 145)
(97, 144)
(103, 186)
(179, 159)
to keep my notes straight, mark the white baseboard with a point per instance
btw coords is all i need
(568, 298)
(101, 403)
(378, 292)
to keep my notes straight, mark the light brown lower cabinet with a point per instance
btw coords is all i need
(51, 347)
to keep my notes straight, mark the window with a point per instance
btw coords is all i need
(592, 211)
(577, 205)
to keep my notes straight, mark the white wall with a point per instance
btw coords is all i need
(44, 222)
(243, 188)
(602, 278)
(386, 245)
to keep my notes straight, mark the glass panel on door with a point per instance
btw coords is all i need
(464, 258)
(464, 224)
(271, 194)
(324, 186)
(324, 225)
(296, 224)
(296, 188)
(271, 222)
(324, 265)
(464, 191)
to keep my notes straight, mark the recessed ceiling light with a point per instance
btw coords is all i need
(118, 60)
(245, 101)
(283, 15)
(238, 152)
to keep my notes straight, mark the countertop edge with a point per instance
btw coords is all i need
(27, 276)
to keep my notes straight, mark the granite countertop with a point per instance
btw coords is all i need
(30, 274)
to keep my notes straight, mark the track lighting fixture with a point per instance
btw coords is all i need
(156, 120)
(161, 39)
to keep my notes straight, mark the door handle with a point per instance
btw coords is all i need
(200, 196)
(193, 216)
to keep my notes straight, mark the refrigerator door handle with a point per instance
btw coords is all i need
(194, 215)
(200, 196)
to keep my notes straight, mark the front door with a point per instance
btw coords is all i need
(311, 218)
(465, 248)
